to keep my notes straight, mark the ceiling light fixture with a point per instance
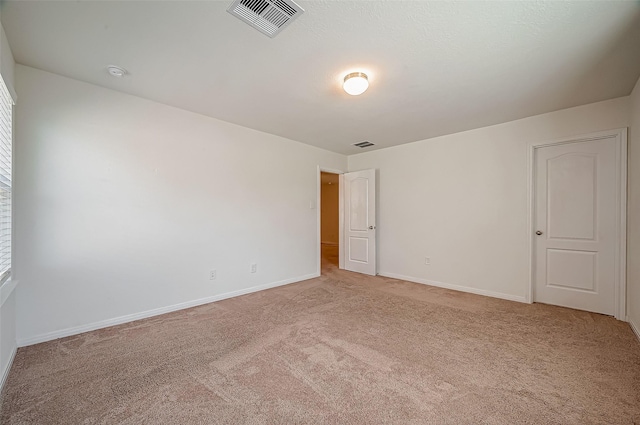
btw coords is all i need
(356, 83)
(116, 71)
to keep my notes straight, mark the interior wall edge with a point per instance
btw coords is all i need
(633, 203)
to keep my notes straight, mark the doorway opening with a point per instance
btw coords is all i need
(348, 200)
(329, 222)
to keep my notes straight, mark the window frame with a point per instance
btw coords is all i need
(7, 102)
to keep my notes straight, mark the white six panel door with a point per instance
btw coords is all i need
(576, 225)
(360, 221)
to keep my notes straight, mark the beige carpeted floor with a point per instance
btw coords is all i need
(340, 349)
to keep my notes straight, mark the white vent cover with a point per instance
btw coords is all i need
(267, 16)
(363, 144)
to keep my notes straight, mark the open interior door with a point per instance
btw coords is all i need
(360, 222)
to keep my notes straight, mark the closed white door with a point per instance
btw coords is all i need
(577, 203)
(360, 221)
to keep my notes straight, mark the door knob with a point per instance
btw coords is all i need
(372, 227)
(539, 232)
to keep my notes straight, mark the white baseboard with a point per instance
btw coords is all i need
(155, 312)
(460, 288)
(5, 373)
(635, 328)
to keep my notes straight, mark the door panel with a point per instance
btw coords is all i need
(576, 204)
(359, 249)
(572, 196)
(572, 269)
(358, 203)
(360, 221)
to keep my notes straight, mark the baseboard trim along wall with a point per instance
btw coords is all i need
(156, 312)
(5, 373)
(635, 328)
(520, 299)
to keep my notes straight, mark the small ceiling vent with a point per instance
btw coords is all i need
(267, 16)
(363, 144)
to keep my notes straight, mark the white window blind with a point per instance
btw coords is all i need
(6, 107)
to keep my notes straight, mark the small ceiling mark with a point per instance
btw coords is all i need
(363, 144)
(116, 71)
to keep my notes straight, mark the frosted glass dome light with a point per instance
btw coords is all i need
(356, 83)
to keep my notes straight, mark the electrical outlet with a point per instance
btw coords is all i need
(254, 268)
(427, 261)
(213, 274)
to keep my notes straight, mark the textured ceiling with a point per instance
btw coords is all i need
(435, 67)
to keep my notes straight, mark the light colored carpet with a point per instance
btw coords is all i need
(340, 349)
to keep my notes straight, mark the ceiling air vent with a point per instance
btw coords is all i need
(267, 16)
(363, 144)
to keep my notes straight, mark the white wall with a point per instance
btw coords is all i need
(462, 200)
(633, 221)
(7, 295)
(124, 205)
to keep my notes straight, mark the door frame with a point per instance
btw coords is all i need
(340, 215)
(371, 240)
(621, 212)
